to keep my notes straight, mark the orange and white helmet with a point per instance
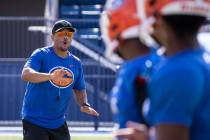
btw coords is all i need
(119, 21)
(178, 7)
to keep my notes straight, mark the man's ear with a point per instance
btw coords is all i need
(52, 37)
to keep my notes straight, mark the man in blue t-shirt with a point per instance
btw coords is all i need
(52, 73)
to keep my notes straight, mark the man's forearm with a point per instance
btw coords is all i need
(81, 97)
(31, 75)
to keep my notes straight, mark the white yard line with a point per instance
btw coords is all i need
(74, 131)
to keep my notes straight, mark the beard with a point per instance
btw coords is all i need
(64, 47)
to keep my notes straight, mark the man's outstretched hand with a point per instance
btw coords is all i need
(89, 110)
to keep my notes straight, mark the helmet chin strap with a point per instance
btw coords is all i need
(145, 31)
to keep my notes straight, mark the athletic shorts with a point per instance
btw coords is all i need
(34, 132)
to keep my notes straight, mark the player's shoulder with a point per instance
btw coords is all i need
(46, 49)
(75, 58)
(182, 67)
(43, 50)
(136, 63)
(179, 67)
(133, 67)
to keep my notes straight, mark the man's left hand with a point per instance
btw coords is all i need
(89, 110)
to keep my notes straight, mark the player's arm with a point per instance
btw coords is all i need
(134, 131)
(163, 132)
(80, 93)
(31, 75)
(81, 98)
(172, 132)
(31, 70)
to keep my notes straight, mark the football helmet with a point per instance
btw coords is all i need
(178, 7)
(120, 20)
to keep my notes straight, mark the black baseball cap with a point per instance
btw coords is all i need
(62, 24)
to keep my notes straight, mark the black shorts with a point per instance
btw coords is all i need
(34, 132)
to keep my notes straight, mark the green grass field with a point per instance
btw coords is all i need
(102, 137)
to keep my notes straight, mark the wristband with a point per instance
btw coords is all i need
(86, 104)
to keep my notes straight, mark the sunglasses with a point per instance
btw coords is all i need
(62, 34)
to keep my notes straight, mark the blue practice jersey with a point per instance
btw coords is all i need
(124, 95)
(45, 103)
(179, 93)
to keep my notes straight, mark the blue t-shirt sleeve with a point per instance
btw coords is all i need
(176, 96)
(123, 101)
(124, 90)
(79, 81)
(35, 60)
